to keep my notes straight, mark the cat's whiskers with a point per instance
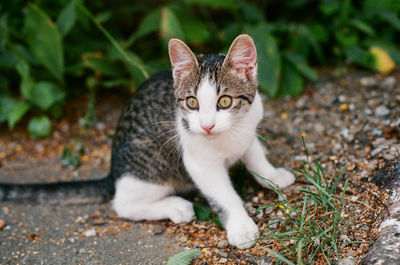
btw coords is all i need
(238, 135)
(166, 132)
(162, 146)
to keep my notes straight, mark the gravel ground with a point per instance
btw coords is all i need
(351, 119)
(84, 234)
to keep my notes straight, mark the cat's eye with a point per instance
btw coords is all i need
(192, 103)
(224, 102)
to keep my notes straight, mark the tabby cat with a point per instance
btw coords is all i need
(185, 130)
(179, 131)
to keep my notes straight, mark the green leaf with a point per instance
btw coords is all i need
(170, 26)
(16, 113)
(202, 212)
(102, 64)
(362, 26)
(8, 59)
(27, 81)
(291, 82)
(360, 56)
(45, 94)
(300, 63)
(269, 59)
(39, 127)
(394, 54)
(251, 13)
(44, 40)
(82, 17)
(184, 257)
(136, 69)
(193, 28)
(328, 7)
(390, 18)
(104, 16)
(217, 221)
(226, 4)
(7, 103)
(319, 32)
(26, 86)
(22, 68)
(300, 40)
(114, 43)
(346, 38)
(66, 19)
(68, 159)
(150, 23)
(317, 36)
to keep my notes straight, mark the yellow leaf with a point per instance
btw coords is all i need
(383, 62)
(343, 107)
(287, 210)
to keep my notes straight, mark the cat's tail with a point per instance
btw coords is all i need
(77, 192)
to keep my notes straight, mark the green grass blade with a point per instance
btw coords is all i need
(279, 256)
(299, 251)
(116, 45)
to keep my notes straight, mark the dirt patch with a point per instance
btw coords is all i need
(353, 120)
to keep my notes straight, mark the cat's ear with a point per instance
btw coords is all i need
(242, 57)
(182, 59)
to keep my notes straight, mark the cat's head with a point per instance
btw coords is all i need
(214, 91)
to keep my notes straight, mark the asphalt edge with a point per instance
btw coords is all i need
(386, 247)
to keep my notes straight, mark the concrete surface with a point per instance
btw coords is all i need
(64, 234)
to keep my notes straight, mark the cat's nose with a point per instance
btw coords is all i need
(208, 128)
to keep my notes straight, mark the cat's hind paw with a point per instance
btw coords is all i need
(242, 233)
(181, 210)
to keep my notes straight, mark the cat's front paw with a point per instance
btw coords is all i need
(181, 211)
(242, 232)
(283, 178)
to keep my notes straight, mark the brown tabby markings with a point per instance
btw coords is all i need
(222, 77)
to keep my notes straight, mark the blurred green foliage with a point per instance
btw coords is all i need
(52, 49)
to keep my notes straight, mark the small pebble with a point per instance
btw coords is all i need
(90, 232)
(345, 238)
(347, 135)
(389, 157)
(346, 261)
(388, 83)
(2, 224)
(301, 103)
(376, 151)
(39, 148)
(319, 128)
(264, 262)
(223, 243)
(381, 111)
(100, 126)
(368, 81)
(223, 260)
(81, 220)
(222, 254)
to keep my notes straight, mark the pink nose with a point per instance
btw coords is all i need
(208, 128)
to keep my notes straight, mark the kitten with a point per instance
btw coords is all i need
(179, 131)
(186, 130)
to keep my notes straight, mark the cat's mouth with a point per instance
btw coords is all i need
(210, 135)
